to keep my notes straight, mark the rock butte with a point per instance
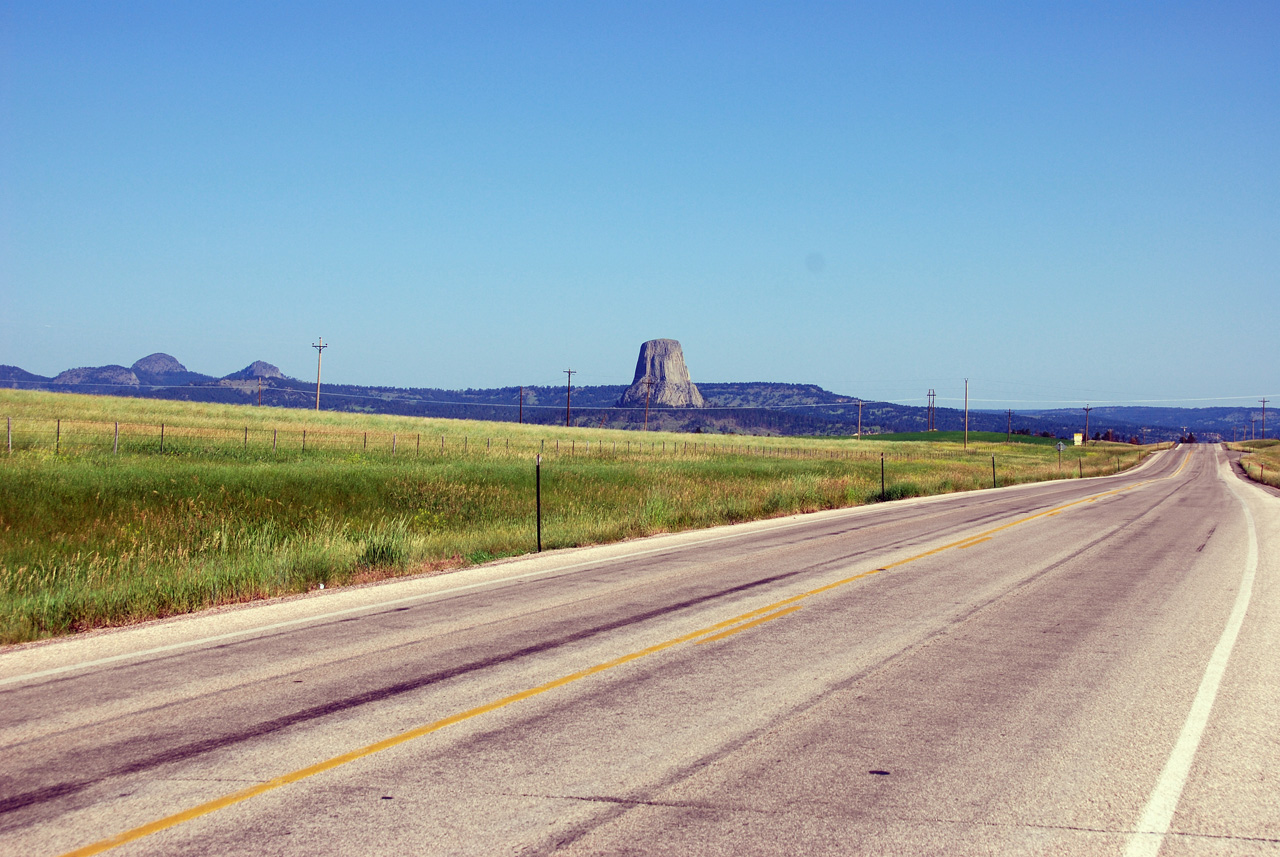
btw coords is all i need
(662, 362)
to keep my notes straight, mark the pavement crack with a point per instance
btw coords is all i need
(628, 802)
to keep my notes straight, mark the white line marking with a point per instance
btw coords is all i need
(1153, 825)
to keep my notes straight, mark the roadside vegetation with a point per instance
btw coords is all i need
(101, 528)
(1261, 460)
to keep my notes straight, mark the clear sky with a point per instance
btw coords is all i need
(1063, 202)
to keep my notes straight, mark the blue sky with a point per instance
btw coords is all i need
(1063, 202)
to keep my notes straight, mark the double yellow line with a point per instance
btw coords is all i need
(712, 633)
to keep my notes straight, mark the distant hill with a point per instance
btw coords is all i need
(161, 370)
(741, 408)
(1207, 423)
(20, 376)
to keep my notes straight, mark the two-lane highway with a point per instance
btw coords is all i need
(1079, 667)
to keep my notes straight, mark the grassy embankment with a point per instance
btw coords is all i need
(93, 538)
(1261, 460)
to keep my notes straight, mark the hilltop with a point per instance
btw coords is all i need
(756, 407)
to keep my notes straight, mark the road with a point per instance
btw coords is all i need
(1082, 667)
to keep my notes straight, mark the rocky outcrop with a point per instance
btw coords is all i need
(98, 376)
(162, 370)
(157, 364)
(256, 369)
(661, 366)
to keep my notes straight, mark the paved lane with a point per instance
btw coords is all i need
(1003, 671)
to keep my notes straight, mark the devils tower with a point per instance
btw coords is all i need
(662, 363)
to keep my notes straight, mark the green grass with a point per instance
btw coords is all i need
(979, 437)
(1261, 460)
(92, 538)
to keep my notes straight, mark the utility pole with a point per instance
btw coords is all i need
(521, 404)
(859, 419)
(319, 355)
(1008, 432)
(259, 390)
(568, 394)
(966, 413)
(1087, 408)
(932, 425)
(1264, 418)
(648, 388)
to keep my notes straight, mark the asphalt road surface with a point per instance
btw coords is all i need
(1083, 667)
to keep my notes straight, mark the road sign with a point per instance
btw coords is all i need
(1061, 446)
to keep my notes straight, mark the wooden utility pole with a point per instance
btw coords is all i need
(1264, 418)
(522, 404)
(1008, 431)
(932, 412)
(568, 394)
(1087, 408)
(859, 419)
(259, 390)
(966, 413)
(319, 347)
(648, 388)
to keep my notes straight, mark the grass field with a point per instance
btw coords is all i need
(235, 508)
(1261, 460)
(982, 437)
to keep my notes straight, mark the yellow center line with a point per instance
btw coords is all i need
(760, 621)
(973, 542)
(718, 631)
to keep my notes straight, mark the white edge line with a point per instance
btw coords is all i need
(1157, 815)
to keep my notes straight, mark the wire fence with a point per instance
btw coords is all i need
(69, 436)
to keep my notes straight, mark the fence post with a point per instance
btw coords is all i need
(274, 434)
(115, 446)
(882, 497)
(366, 440)
(162, 437)
(304, 440)
(57, 438)
(993, 471)
(393, 443)
(417, 444)
(537, 471)
(1080, 461)
(8, 431)
(246, 437)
